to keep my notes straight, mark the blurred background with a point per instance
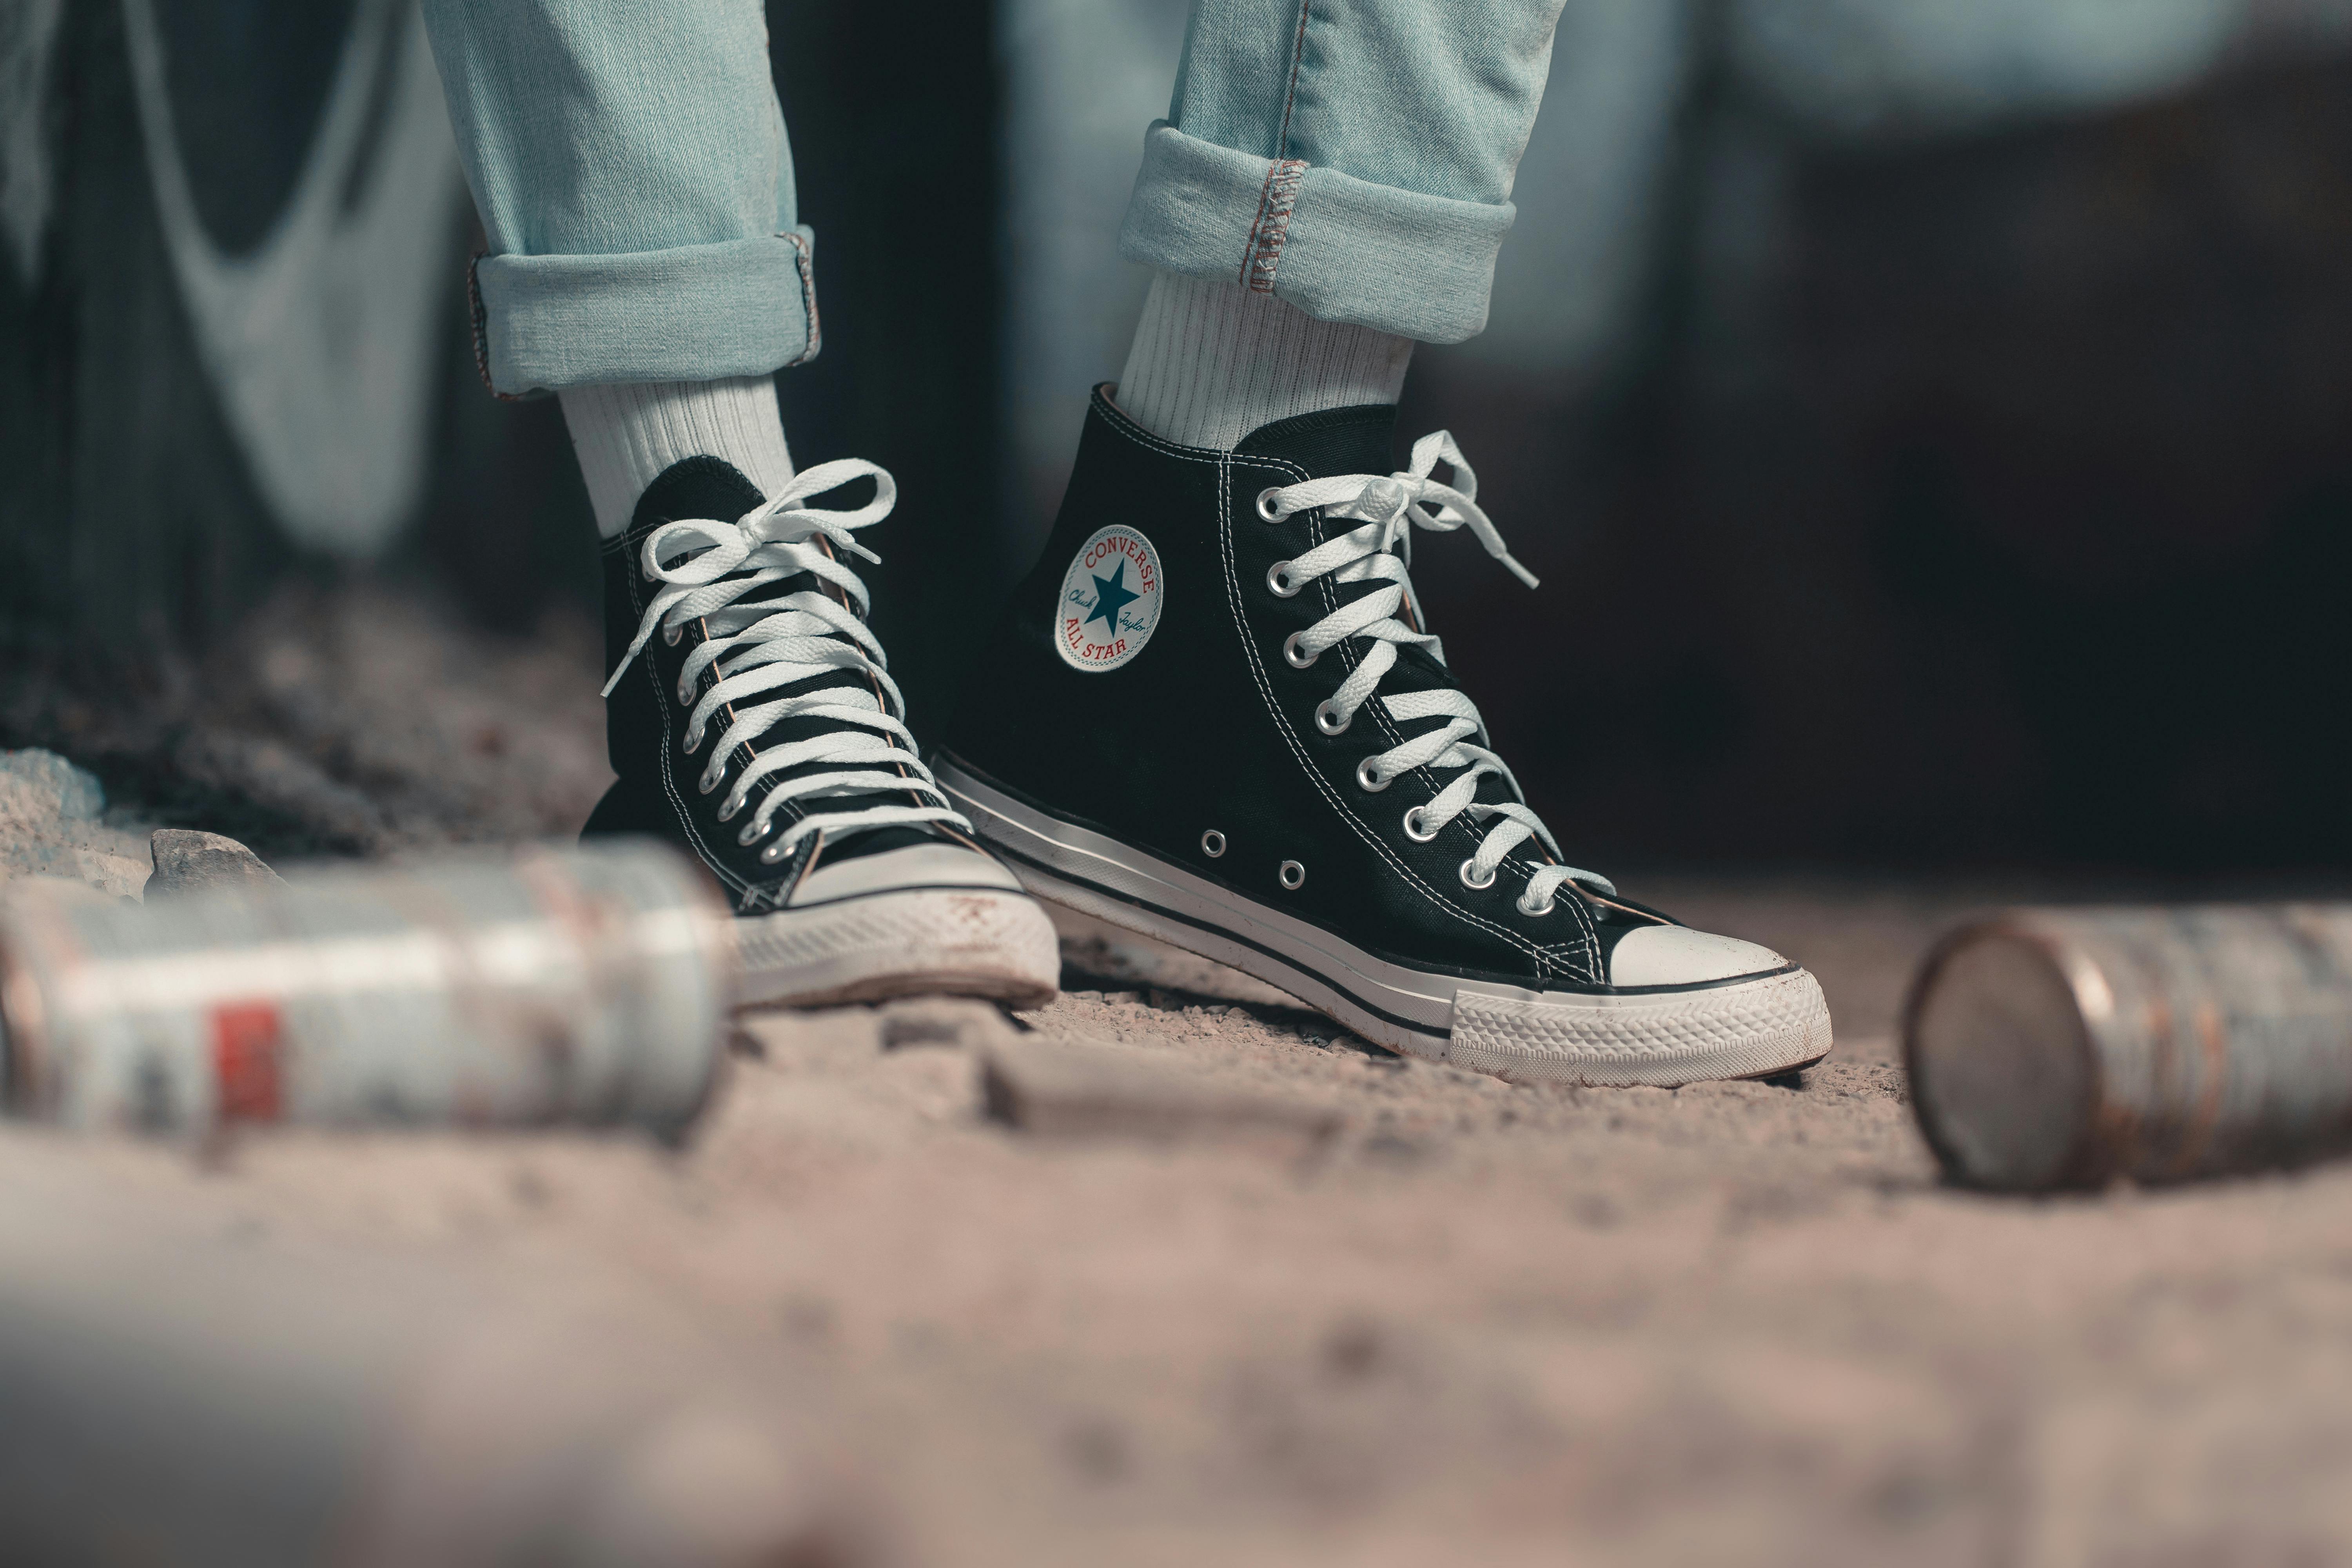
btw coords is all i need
(1928, 420)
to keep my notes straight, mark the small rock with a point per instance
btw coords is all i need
(1354, 1348)
(1387, 1148)
(1098, 1449)
(529, 1188)
(187, 861)
(51, 825)
(1068, 1089)
(941, 1021)
(117, 876)
(808, 1317)
(39, 788)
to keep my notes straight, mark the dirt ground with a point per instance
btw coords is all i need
(1474, 1322)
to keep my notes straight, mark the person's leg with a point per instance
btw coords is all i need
(1332, 182)
(647, 265)
(1215, 712)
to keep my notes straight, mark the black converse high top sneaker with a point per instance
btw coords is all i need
(752, 721)
(1212, 715)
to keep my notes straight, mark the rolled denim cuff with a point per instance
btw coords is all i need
(696, 312)
(1339, 248)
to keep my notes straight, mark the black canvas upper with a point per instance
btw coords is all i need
(1209, 727)
(656, 792)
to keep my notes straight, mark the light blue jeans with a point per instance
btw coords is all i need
(629, 160)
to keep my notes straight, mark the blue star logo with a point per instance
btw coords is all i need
(1111, 595)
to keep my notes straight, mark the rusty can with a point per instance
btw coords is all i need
(586, 985)
(2052, 1048)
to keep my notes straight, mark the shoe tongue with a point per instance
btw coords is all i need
(709, 488)
(1356, 440)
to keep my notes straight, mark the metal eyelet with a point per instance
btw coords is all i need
(1544, 908)
(753, 833)
(1328, 719)
(685, 693)
(1480, 886)
(671, 634)
(1370, 781)
(729, 807)
(1264, 510)
(1213, 844)
(772, 853)
(1277, 579)
(710, 781)
(1292, 875)
(1290, 655)
(690, 744)
(1412, 826)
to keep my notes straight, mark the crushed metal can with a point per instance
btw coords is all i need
(2056, 1049)
(587, 984)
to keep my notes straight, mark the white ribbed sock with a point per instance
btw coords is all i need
(626, 432)
(1213, 362)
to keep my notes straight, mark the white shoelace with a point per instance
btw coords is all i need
(1381, 550)
(774, 642)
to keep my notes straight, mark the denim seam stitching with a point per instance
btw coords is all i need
(805, 264)
(481, 320)
(1276, 199)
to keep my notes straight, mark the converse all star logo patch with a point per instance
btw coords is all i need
(1111, 600)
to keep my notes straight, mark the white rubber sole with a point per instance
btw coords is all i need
(935, 942)
(1755, 1027)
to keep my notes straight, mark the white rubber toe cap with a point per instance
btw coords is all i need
(915, 866)
(1677, 955)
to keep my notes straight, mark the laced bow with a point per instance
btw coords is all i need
(1380, 552)
(707, 568)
